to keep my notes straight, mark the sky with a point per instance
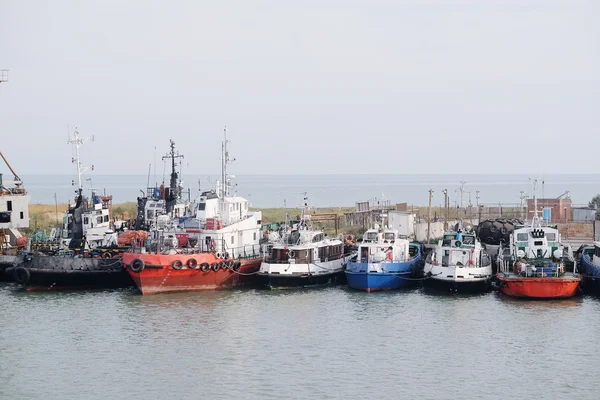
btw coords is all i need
(304, 87)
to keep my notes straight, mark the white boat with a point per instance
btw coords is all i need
(458, 263)
(87, 221)
(303, 257)
(216, 221)
(533, 264)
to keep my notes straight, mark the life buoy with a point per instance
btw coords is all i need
(177, 264)
(204, 266)
(215, 266)
(105, 255)
(237, 265)
(223, 265)
(21, 275)
(137, 265)
(192, 263)
(458, 243)
(218, 255)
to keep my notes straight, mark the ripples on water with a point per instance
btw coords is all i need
(329, 343)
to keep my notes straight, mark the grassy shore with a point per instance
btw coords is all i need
(45, 216)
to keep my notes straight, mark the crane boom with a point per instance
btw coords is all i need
(18, 180)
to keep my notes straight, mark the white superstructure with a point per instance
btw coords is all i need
(458, 259)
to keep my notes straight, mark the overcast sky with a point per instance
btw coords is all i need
(312, 86)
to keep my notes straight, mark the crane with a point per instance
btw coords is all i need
(18, 181)
(565, 195)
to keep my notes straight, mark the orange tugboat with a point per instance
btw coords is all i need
(533, 265)
(215, 246)
(159, 273)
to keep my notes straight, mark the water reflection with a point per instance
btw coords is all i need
(292, 344)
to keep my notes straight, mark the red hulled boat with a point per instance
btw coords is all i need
(533, 264)
(215, 245)
(160, 273)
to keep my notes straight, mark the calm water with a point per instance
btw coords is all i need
(334, 190)
(320, 344)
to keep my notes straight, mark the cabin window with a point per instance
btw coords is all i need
(448, 240)
(106, 218)
(21, 214)
(551, 236)
(485, 259)
(389, 236)
(317, 238)
(470, 240)
(9, 205)
(254, 235)
(522, 237)
(86, 220)
(371, 235)
(301, 256)
(99, 219)
(232, 240)
(201, 206)
(364, 253)
(4, 217)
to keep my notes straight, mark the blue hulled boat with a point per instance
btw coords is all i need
(588, 264)
(385, 261)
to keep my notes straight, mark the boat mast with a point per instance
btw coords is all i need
(224, 188)
(77, 142)
(535, 220)
(174, 192)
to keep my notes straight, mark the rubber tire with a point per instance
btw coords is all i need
(215, 266)
(237, 265)
(21, 275)
(204, 267)
(139, 268)
(192, 263)
(177, 265)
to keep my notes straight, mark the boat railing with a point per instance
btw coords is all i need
(165, 244)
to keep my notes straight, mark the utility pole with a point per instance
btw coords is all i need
(56, 208)
(477, 197)
(429, 217)
(446, 208)
(3, 75)
(462, 189)
(522, 197)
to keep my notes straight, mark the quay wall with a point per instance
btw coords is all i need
(576, 229)
(437, 228)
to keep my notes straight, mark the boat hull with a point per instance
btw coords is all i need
(448, 285)
(6, 262)
(539, 288)
(382, 276)
(376, 282)
(159, 276)
(590, 274)
(470, 279)
(39, 272)
(288, 281)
